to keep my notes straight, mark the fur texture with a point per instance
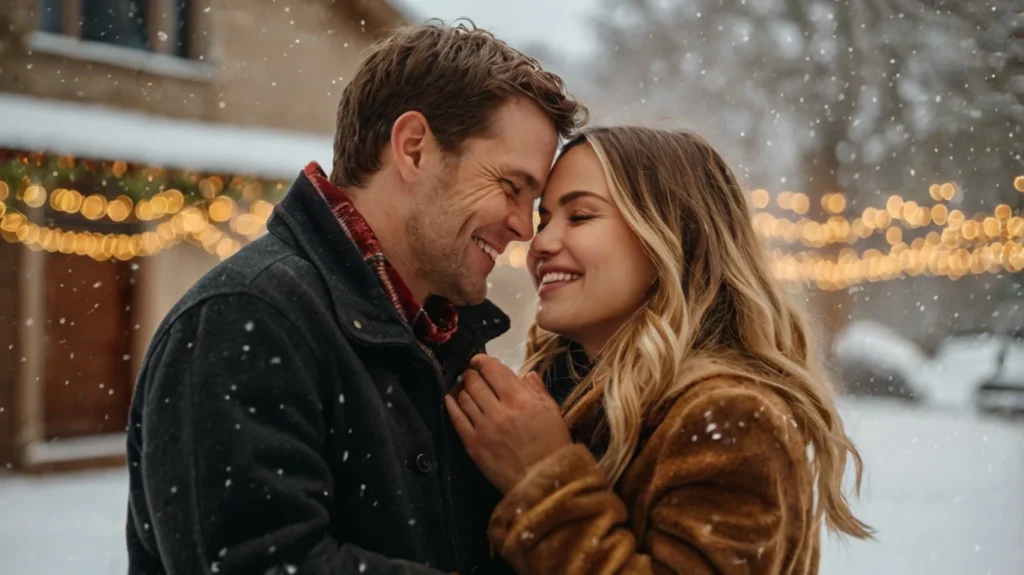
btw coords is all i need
(722, 485)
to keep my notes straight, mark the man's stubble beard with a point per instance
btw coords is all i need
(439, 254)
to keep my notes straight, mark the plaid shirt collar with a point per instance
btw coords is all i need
(434, 328)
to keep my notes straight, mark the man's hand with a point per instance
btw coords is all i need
(506, 423)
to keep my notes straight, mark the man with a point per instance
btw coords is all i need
(289, 414)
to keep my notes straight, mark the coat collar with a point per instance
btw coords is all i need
(304, 221)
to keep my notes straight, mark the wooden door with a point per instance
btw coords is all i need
(10, 346)
(88, 345)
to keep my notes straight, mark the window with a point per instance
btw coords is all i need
(120, 22)
(51, 16)
(160, 26)
(182, 13)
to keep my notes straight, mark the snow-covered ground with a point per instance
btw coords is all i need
(944, 489)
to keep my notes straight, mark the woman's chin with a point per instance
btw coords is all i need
(551, 320)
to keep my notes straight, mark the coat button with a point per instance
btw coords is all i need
(423, 463)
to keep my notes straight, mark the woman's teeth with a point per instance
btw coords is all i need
(493, 253)
(558, 277)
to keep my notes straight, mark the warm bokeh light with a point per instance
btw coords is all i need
(991, 227)
(893, 205)
(175, 201)
(801, 203)
(947, 191)
(785, 200)
(222, 209)
(119, 209)
(119, 168)
(34, 196)
(263, 209)
(94, 206)
(956, 219)
(517, 256)
(834, 203)
(759, 198)
(210, 187)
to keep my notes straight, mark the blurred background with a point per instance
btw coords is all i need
(880, 141)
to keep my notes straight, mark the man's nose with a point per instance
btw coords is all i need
(520, 223)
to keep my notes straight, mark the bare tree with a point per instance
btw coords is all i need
(862, 96)
(846, 89)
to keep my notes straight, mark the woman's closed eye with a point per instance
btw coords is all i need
(573, 219)
(580, 218)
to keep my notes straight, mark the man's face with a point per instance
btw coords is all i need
(481, 202)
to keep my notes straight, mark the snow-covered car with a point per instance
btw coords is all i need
(992, 368)
(968, 369)
(874, 360)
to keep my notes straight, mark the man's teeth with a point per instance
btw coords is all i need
(558, 277)
(487, 248)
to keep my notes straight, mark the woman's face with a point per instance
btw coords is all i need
(590, 269)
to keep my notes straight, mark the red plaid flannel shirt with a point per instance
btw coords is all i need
(430, 330)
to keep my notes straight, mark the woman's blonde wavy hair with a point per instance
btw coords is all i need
(715, 309)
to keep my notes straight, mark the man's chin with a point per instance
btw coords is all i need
(472, 299)
(469, 294)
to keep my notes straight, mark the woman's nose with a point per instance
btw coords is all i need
(546, 242)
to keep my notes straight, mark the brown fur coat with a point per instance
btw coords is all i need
(721, 486)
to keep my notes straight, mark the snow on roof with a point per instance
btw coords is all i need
(99, 132)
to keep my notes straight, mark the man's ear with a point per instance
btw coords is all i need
(412, 145)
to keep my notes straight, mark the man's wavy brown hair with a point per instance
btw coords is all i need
(456, 76)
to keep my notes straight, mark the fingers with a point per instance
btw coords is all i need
(533, 381)
(461, 422)
(480, 390)
(497, 375)
(478, 360)
(470, 408)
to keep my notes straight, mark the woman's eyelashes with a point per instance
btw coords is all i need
(580, 218)
(573, 219)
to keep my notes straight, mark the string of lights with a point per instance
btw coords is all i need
(849, 268)
(121, 192)
(221, 215)
(197, 224)
(171, 205)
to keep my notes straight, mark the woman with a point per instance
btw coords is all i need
(706, 434)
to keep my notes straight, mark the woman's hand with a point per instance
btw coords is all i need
(506, 423)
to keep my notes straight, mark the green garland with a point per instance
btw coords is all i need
(138, 182)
